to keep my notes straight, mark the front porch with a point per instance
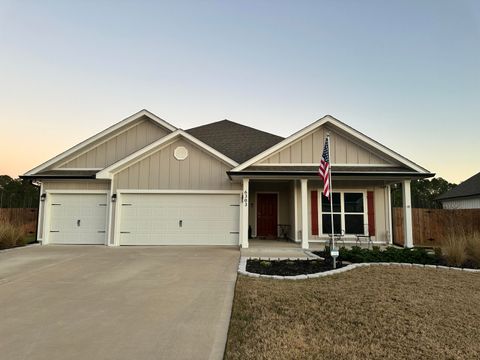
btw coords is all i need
(280, 216)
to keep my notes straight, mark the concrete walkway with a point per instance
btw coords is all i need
(95, 302)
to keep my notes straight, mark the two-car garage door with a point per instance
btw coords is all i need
(179, 219)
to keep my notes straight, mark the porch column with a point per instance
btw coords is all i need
(304, 214)
(244, 215)
(407, 214)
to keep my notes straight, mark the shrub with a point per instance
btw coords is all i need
(11, 235)
(390, 254)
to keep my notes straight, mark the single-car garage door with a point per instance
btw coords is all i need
(179, 219)
(78, 219)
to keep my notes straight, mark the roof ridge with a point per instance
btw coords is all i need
(236, 123)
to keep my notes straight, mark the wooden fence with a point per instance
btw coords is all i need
(431, 225)
(20, 216)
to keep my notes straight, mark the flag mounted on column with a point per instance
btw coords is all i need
(324, 170)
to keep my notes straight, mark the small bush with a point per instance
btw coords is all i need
(390, 254)
(265, 263)
(11, 235)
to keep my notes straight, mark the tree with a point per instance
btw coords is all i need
(18, 193)
(424, 192)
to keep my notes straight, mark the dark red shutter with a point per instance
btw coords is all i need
(314, 206)
(371, 214)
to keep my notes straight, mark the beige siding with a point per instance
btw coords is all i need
(308, 149)
(160, 170)
(76, 185)
(118, 145)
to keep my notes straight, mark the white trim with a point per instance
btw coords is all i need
(407, 214)
(317, 164)
(389, 214)
(77, 169)
(295, 210)
(256, 209)
(178, 191)
(330, 119)
(244, 210)
(305, 215)
(141, 154)
(110, 214)
(41, 206)
(47, 210)
(107, 131)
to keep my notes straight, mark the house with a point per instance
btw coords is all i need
(145, 182)
(464, 196)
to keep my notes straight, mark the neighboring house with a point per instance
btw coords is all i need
(146, 182)
(464, 196)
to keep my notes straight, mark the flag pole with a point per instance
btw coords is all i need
(331, 204)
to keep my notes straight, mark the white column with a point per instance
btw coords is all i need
(389, 214)
(295, 211)
(244, 215)
(304, 214)
(407, 214)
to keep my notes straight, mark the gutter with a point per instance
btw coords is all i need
(56, 177)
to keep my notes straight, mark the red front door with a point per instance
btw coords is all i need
(267, 215)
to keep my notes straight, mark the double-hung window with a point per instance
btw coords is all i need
(349, 213)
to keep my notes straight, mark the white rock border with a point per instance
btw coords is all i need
(242, 268)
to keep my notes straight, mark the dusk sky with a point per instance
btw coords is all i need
(406, 73)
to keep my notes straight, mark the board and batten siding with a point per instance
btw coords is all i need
(308, 149)
(118, 145)
(161, 170)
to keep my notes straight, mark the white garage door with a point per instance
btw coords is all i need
(179, 219)
(78, 218)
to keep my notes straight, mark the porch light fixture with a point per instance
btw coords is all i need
(43, 197)
(114, 197)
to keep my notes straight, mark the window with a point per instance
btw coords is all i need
(348, 213)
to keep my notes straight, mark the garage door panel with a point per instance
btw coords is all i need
(179, 219)
(78, 219)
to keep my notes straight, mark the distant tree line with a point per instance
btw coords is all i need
(424, 192)
(17, 193)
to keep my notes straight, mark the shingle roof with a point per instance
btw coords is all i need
(238, 142)
(62, 174)
(469, 187)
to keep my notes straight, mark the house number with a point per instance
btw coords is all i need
(245, 198)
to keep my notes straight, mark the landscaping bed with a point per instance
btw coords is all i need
(290, 267)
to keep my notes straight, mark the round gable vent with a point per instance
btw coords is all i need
(180, 153)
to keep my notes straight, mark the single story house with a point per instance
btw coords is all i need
(464, 196)
(143, 181)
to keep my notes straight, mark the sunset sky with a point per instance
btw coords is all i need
(406, 73)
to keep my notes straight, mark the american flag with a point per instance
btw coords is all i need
(324, 170)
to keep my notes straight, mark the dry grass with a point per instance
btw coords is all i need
(369, 313)
(461, 245)
(473, 247)
(11, 235)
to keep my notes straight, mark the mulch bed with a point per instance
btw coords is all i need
(289, 267)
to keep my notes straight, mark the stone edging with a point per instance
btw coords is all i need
(243, 271)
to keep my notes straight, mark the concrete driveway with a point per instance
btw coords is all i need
(95, 302)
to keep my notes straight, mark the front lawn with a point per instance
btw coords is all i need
(367, 313)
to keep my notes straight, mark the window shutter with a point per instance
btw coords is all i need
(314, 211)
(371, 214)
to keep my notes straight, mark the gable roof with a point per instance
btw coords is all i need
(157, 145)
(100, 135)
(330, 119)
(238, 142)
(469, 187)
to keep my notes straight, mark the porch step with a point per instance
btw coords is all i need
(275, 252)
